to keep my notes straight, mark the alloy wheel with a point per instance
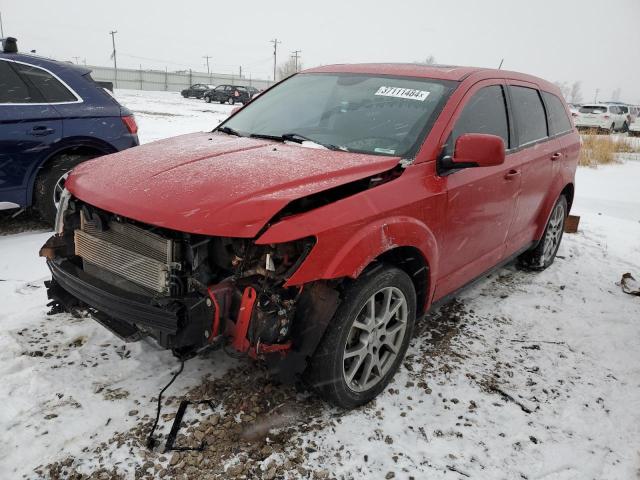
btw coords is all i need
(58, 189)
(554, 232)
(375, 339)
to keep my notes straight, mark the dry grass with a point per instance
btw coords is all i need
(602, 150)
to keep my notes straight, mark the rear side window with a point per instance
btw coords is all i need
(593, 109)
(486, 113)
(529, 114)
(558, 120)
(14, 89)
(50, 87)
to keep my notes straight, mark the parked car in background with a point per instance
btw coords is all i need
(253, 92)
(53, 116)
(197, 90)
(312, 232)
(634, 127)
(228, 94)
(600, 116)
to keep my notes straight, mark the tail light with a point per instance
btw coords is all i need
(130, 122)
(574, 114)
(606, 116)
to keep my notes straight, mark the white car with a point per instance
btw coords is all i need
(601, 117)
(634, 128)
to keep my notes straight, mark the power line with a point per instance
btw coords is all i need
(275, 56)
(113, 55)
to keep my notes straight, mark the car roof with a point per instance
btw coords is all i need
(438, 72)
(44, 62)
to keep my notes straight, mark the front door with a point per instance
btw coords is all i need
(480, 201)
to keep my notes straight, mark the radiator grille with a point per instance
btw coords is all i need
(131, 252)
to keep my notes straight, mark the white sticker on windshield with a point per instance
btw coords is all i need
(408, 93)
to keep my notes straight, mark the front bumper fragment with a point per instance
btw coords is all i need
(174, 322)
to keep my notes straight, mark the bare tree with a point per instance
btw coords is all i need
(288, 68)
(617, 93)
(564, 87)
(576, 92)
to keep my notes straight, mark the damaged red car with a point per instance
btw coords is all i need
(315, 225)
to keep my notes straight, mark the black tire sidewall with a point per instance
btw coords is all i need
(533, 259)
(326, 370)
(46, 180)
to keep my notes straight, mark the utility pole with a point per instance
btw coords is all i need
(207, 57)
(113, 55)
(295, 55)
(595, 100)
(1, 27)
(275, 57)
(240, 71)
(77, 59)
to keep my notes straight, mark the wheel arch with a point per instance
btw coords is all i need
(93, 147)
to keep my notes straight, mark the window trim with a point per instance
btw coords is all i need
(73, 92)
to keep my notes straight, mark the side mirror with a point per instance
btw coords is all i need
(476, 150)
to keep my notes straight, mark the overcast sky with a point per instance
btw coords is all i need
(594, 41)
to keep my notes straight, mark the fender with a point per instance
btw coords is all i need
(100, 146)
(336, 257)
(554, 192)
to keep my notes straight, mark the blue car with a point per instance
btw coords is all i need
(53, 116)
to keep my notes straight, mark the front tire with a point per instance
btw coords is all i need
(50, 184)
(207, 99)
(231, 100)
(544, 253)
(366, 340)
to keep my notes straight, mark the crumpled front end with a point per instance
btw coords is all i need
(185, 290)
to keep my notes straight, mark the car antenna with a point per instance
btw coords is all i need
(500, 66)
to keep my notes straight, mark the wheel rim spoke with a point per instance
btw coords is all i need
(375, 339)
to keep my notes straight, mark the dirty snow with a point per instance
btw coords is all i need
(533, 376)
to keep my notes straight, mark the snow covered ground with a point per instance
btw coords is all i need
(532, 376)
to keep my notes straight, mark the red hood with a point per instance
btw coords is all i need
(214, 184)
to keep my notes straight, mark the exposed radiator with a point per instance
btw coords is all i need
(133, 253)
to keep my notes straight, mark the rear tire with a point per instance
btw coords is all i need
(50, 184)
(366, 340)
(625, 127)
(544, 253)
(207, 99)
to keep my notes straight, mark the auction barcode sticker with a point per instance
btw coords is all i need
(408, 93)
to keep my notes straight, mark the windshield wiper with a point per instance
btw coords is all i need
(228, 131)
(296, 137)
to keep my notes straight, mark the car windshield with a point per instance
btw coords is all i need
(593, 109)
(375, 114)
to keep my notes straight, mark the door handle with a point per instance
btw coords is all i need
(40, 131)
(556, 156)
(512, 174)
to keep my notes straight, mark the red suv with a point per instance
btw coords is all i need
(319, 221)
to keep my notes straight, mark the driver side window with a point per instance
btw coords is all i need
(485, 112)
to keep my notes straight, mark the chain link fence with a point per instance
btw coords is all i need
(160, 80)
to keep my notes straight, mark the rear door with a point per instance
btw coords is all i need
(30, 128)
(481, 202)
(534, 155)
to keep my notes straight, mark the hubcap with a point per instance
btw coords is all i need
(58, 189)
(375, 339)
(554, 232)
